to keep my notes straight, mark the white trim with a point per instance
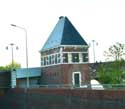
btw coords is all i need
(61, 58)
(42, 50)
(76, 52)
(64, 63)
(74, 46)
(80, 58)
(62, 52)
(73, 81)
(61, 55)
(58, 46)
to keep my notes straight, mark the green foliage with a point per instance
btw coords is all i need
(2, 68)
(113, 72)
(10, 66)
(103, 75)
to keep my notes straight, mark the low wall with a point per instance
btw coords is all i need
(63, 99)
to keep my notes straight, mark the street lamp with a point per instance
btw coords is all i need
(25, 41)
(24, 29)
(93, 44)
(12, 44)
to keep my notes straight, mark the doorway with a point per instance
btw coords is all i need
(76, 77)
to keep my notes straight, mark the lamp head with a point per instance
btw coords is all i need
(13, 25)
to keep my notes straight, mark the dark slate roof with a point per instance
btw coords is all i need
(64, 33)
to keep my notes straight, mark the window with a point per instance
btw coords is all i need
(50, 60)
(65, 58)
(85, 57)
(44, 60)
(56, 58)
(47, 62)
(75, 57)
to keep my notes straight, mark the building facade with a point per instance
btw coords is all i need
(64, 56)
(64, 60)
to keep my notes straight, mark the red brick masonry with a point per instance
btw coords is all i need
(63, 99)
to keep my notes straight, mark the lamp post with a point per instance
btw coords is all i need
(12, 44)
(93, 44)
(24, 29)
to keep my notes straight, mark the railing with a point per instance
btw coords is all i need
(114, 86)
(84, 86)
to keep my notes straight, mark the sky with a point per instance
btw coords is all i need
(99, 20)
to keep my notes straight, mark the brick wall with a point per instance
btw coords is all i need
(49, 98)
(70, 68)
(5, 81)
(62, 74)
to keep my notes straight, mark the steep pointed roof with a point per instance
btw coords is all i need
(64, 33)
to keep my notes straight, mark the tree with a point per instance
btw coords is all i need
(2, 68)
(102, 74)
(116, 51)
(10, 66)
(113, 72)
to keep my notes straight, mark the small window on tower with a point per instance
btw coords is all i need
(50, 60)
(44, 60)
(85, 57)
(75, 57)
(56, 58)
(47, 61)
(65, 58)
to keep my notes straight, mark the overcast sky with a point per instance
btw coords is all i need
(100, 20)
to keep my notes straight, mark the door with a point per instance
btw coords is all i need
(76, 79)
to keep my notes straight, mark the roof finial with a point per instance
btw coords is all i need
(61, 17)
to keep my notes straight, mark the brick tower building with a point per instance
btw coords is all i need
(64, 56)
